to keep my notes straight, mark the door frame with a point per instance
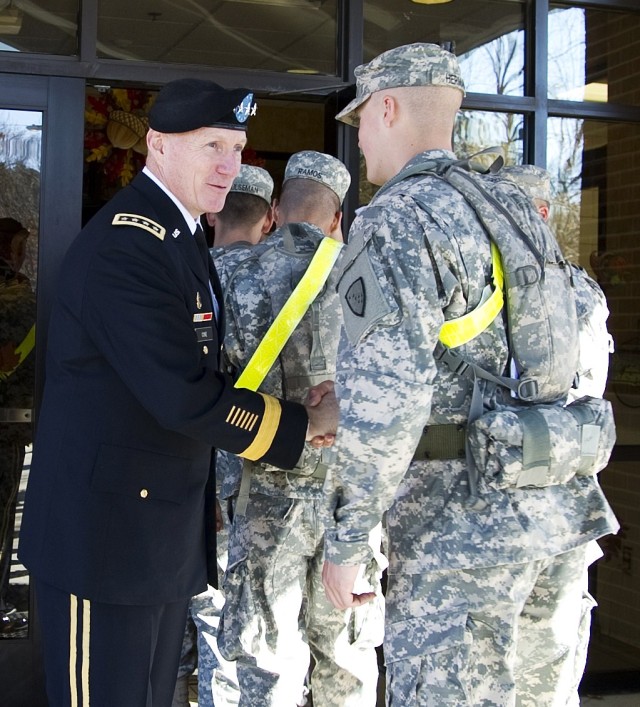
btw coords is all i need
(61, 101)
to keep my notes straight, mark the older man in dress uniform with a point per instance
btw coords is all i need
(119, 513)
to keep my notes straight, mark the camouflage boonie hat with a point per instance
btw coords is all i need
(416, 64)
(254, 180)
(320, 167)
(534, 181)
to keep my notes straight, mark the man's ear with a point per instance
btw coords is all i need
(390, 110)
(155, 141)
(211, 220)
(275, 210)
(335, 230)
(267, 224)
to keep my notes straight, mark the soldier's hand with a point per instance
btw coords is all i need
(338, 581)
(322, 409)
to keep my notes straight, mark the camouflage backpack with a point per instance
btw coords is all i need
(308, 355)
(531, 437)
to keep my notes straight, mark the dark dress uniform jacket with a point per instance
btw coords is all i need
(133, 404)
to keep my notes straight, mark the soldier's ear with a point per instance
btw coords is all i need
(390, 109)
(267, 224)
(155, 141)
(275, 209)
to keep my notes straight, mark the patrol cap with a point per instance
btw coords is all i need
(418, 64)
(533, 180)
(254, 180)
(189, 104)
(323, 168)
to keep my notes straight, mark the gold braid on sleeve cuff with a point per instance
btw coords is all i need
(267, 430)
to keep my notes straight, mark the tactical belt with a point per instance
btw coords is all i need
(441, 442)
(15, 415)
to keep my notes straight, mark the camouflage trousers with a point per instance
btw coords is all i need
(217, 680)
(489, 637)
(276, 613)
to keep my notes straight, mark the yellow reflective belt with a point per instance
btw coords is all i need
(290, 315)
(458, 331)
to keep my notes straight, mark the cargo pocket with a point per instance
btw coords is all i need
(433, 633)
(238, 612)
(427, 659)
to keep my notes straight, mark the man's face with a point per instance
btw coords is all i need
(199, 167)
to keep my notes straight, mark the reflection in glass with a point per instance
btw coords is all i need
(39, 26)
(20, 133)
(275, 35)
(486, 35)
(477, 130)
(593, 55)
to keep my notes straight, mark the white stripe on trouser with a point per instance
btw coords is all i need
(85, 628)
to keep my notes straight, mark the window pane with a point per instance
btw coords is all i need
(275, 35)
(20, 142)
(478, 130)
(595, 212)
(594, 55)
(486, 35)
(40, 27)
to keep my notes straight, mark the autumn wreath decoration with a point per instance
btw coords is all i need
(116, 125)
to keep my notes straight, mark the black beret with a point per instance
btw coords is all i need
(189, 104)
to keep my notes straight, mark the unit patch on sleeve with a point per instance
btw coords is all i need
(139, 222)
(364, 302)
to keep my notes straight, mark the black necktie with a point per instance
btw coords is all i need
(202, 245)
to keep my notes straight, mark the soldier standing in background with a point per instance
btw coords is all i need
(276, 613)
(247, 216)
(17, 378)
(244, 220)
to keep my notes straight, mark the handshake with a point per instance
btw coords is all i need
(322, 408)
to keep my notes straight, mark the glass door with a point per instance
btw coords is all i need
(20, 168)
(41, 129)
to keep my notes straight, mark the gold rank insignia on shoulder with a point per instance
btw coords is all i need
(142, 222)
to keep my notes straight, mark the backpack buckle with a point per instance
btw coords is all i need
(527, 390)
(453, 360)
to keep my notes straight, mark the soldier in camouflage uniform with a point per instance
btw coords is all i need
(17, 369)
(244, 220)
(460, 575)
(276, 612)
(247, 216)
